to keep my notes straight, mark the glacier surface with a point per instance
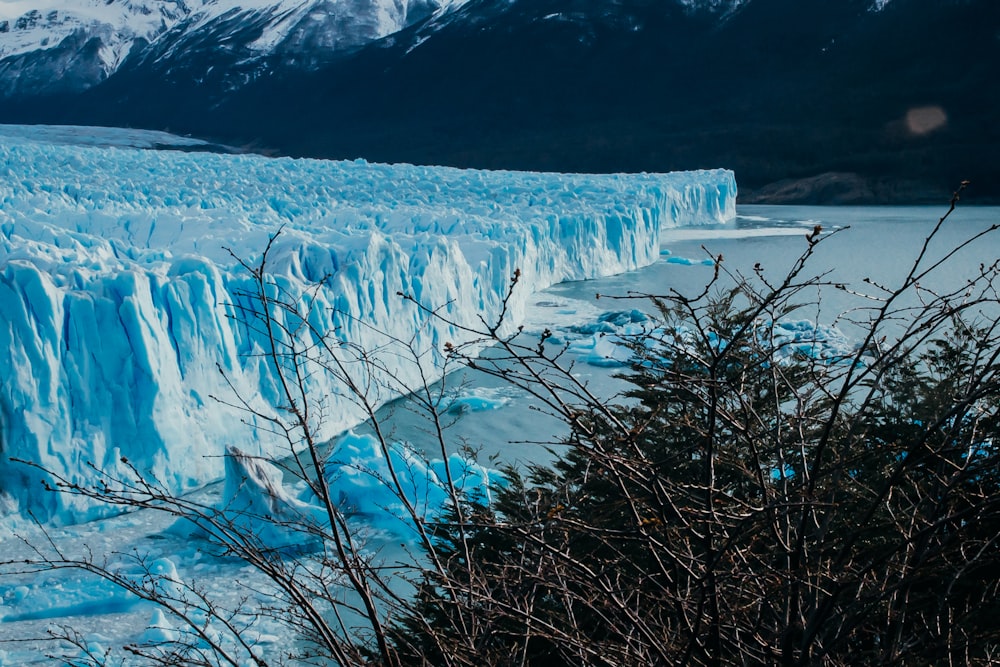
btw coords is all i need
(121, 289)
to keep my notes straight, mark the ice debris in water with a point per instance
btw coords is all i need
(609, 341)
(364, 479)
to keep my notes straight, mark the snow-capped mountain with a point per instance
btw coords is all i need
(60, 46)
(47, 23)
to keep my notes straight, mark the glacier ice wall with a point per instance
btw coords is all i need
(119, 287)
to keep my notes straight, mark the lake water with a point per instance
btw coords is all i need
(879, 243)
(866, 242)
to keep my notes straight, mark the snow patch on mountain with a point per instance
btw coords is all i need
(121, 299)
(59, 46)
(47, 23)
(30, 25)
(723, 6)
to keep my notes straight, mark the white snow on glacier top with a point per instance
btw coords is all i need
(120, 293)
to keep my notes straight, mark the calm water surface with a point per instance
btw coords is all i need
(858, 242)
(879, 243)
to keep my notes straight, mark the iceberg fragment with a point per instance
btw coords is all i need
(121, 290)
(361, 477)
(611, 341)
(361, 473)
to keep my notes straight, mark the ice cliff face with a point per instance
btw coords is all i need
(120, 294)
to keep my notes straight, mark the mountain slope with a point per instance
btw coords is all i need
(72, 47)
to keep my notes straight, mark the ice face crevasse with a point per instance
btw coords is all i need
(119, 287)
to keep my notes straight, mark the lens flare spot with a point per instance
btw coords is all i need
(924, 120)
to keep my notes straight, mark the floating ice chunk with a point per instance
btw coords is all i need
(807, 339)
(602, 350)
(479, 401)
(686, 261)
(610, 341)
(363, 478)
(476, 482)
(375, 484)
(472, 404)
(160, 630)
(82, 595)
(612, 322)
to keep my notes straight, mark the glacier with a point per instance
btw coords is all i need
(121, 287)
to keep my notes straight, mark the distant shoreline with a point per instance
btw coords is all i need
(851, 189)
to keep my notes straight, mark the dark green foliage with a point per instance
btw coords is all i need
(746, 503)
